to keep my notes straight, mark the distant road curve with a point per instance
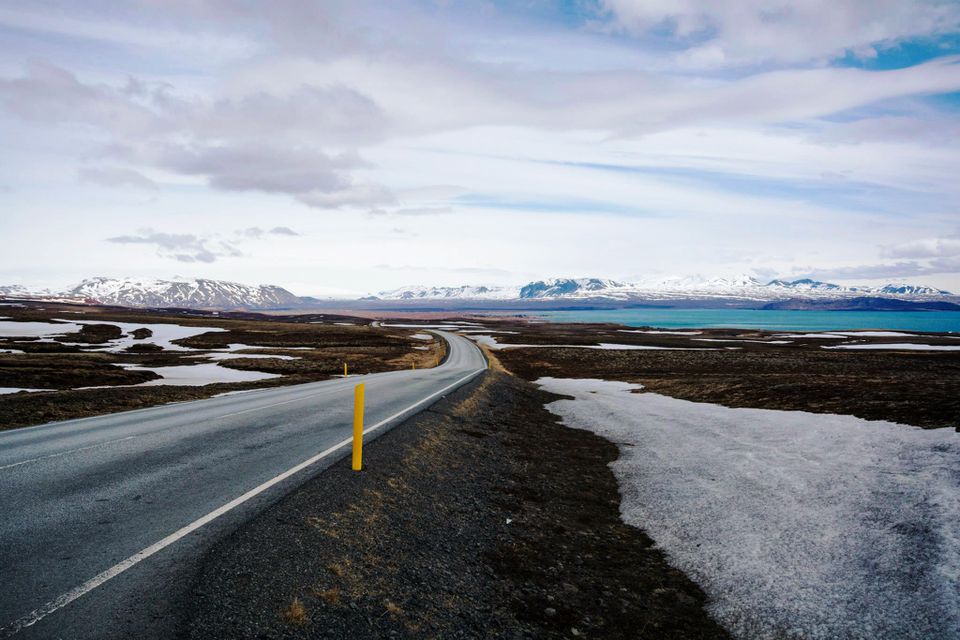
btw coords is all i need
(96, 511)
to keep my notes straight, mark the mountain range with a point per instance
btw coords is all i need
(740, 291)
(737, 288)
(194, 293)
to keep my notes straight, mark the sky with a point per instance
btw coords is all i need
(342, 148)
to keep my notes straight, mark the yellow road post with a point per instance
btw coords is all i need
(358, 427)
(344, 369)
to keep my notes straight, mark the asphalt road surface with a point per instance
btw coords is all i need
(101, 519)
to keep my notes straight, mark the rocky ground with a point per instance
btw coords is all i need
(479, 518)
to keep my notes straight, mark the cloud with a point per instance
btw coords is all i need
(257, 232)
(943, 247)
(115, 177)
(48, 93)
(284, 231)
(182, 247)
(754, 32)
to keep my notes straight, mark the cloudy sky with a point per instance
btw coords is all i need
(349, 147)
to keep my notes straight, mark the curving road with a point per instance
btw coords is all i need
(102, 517)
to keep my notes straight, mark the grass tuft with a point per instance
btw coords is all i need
(296, 613)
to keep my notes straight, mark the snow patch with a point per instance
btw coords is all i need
(797, 525)
(198, 375)
(12, 329)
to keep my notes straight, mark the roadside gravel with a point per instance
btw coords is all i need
(481, 517)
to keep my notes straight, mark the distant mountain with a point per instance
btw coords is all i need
(561, 287)
(442, 293)
(131, 292)
(743, 288)
(740, 291)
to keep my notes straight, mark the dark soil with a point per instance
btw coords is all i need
(93, 334)
(479, 518)
(56, 371)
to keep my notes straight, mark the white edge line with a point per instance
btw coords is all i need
(58, 603)
(63, 453)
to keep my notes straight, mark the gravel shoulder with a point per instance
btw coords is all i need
(481, 517)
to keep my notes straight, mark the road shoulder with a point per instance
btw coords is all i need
(480, 517)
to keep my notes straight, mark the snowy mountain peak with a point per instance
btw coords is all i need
(199, 292)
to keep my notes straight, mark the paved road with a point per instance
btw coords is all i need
(101, 518)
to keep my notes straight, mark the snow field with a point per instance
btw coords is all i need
(796, 525)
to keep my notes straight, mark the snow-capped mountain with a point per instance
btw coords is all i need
(133, 292)
(440, 293)
(744, 287)
(200, 292)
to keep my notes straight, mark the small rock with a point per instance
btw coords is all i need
(549, 612)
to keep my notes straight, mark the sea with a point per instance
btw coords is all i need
(773, 320)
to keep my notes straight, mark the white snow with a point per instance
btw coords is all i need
(163, 335)
(422, 336)
(5, 390)
(199, 374)
(665, 333)
(902, 346)
(797, 525)
(11, 329)
(809, 335)
(11, 351)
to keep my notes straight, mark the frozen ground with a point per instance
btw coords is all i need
(199, 374)
(163, 335)
(11, 329)
(797, 525)
(5, 390)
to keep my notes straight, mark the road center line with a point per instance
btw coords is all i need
(43, 611)
(63, 453)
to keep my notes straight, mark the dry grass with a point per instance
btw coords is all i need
(296, 613)
(392, 608)
(331, 596)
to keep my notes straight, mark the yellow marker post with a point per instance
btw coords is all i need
(358, 427)
(413, 365)
(344, 369)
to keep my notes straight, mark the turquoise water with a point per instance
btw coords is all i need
(761, 319)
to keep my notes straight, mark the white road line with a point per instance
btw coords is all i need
(63, 453)
(42, 612)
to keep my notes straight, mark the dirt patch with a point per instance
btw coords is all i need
(462, 524)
